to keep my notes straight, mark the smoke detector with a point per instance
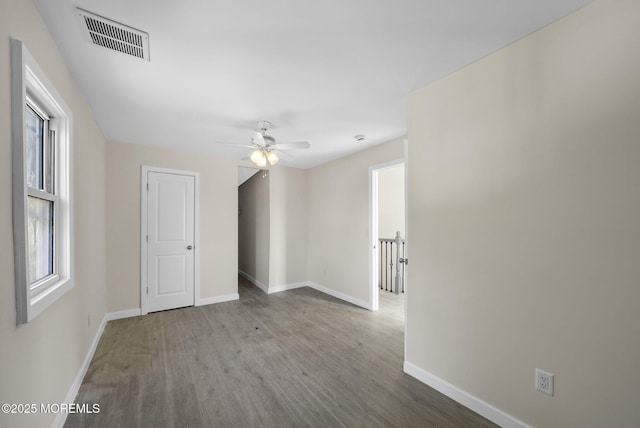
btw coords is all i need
(114, 35)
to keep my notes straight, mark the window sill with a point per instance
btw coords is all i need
(46, 298)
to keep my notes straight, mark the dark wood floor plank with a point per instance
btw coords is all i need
(298, 358)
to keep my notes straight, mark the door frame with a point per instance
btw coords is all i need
(144, 181)
(374, 171)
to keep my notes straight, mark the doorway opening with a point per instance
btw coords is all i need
(388, 237)
(253, 229)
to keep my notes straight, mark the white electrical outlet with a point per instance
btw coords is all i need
(544, 382)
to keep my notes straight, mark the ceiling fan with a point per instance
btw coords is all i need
(266, 149)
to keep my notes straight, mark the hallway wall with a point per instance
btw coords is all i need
(523, 221)
(288, 220)
(338, 198)
(391, 202)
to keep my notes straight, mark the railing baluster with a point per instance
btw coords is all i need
(386, 267)
(391, 270)
(380, 276)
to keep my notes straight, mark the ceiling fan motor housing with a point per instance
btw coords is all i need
(269, 140)
(264, 125)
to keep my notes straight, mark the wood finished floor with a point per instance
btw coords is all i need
(298, 358)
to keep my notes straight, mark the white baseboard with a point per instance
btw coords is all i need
(285, 287)
(123, 314)
(339, 295)
(322, 288)
(274, 289)
(254, 281)
(218, 299)
(494, 414)
(61, 417)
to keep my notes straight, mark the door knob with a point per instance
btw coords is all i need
(189, 247)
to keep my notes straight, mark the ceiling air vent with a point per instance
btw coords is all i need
(114, 35)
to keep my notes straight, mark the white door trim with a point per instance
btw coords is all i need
(373, 227)
(407, 242)
(145, 170)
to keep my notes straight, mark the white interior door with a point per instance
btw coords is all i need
(170, 241)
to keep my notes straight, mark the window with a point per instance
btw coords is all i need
(41, 134)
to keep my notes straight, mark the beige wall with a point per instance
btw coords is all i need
(523, 218)
(338, 218)
(40, 360)
(288, 219)
(253, 227)
(391, 202)
(218, 220)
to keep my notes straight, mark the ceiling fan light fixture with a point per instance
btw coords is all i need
(272, 158)
(262, 163)
(257, 156)
(264, 147)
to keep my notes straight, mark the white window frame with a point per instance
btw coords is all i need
(30, 86)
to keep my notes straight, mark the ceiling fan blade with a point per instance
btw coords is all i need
(284, 156)
(238, 145)
(258, 138)
(295, 145)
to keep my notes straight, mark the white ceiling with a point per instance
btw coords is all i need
(319, 71)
